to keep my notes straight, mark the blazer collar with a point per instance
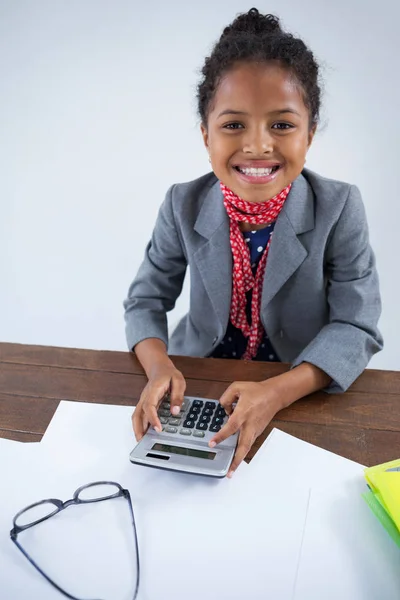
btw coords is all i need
(299, 205)
(298, 208)
(212, 213)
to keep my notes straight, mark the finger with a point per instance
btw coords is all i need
(245, 442)
(152, 417)
(150, 406)
(230, 427)
(230, 396)
(178, 387)
(137, 422)
(145, 423)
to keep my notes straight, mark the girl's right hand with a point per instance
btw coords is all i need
(163, 379)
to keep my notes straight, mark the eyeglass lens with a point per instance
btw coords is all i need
(36, 513)
(99, 491)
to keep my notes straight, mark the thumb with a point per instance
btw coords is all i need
(230, 396)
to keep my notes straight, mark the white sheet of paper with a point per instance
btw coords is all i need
(21, 481)
(303, 463)
(98, 428)
(216, 539)
(5, 445)
(346, 552)
(241, 541)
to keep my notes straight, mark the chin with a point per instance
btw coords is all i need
(259, 195)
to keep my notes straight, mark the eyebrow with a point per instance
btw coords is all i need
(230, 111)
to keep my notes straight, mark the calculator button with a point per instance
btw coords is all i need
(214, 427)
(210, 405)
(208, 411)
(164, 413)
(163, 420)
(192, 416)
(170, 429)
(204, 419)
(174, 421)
(217, 421)
(166, 405)
(195, 409)
(202, 426)
(185, 432)
(220, 412)
(199, 434)
(188, 423)
(198, 403)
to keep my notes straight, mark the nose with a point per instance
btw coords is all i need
(258, 140)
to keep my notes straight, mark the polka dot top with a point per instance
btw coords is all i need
(234, 343)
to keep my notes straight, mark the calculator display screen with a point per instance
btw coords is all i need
(184, 451)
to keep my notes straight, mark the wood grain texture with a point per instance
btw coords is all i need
(26, 414)
(362, 424)
(19, 436)
(372, 380)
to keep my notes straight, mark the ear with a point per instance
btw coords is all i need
(311, 134)
(204, 133)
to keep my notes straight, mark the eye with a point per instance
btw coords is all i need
(282, 126)
(233, 126)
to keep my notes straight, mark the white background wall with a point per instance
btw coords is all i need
(98, 118)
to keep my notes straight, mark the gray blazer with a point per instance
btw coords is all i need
(320, 299)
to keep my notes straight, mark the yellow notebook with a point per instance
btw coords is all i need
(384, 483)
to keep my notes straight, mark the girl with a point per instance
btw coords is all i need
(279, 257)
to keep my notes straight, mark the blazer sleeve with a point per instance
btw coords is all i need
(344, 347)
(158, 282)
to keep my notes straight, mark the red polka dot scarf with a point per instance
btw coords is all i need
(243, 280)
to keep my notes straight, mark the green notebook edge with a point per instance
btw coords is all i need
(383, 517)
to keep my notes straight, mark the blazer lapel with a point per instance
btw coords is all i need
(286, 252)
(214, 257)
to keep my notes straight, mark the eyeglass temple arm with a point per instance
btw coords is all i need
(34, 564)
(127, 495)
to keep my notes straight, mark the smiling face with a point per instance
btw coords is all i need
(258, 130)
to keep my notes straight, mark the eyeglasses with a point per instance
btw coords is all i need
(43, 510)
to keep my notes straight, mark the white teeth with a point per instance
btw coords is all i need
(258, 172)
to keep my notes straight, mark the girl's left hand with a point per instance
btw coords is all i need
(256, 406)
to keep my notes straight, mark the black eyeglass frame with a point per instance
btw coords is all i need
(60, 505)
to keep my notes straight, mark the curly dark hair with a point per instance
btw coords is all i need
(255, 37)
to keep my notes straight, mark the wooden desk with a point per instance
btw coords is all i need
(363, 424)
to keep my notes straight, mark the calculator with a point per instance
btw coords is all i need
(183, 443)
